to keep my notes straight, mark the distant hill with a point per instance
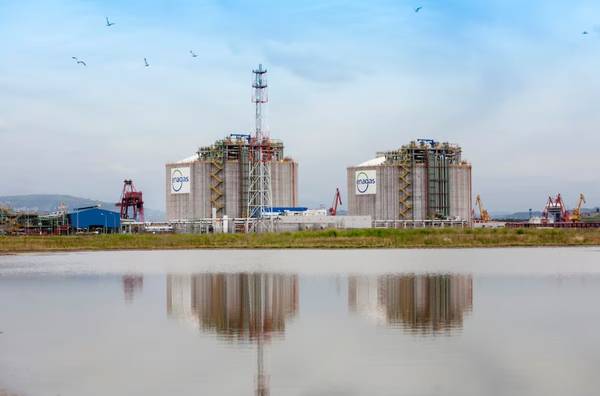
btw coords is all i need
(516, 215)
(50, 202)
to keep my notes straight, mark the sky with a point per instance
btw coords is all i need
(516, 84)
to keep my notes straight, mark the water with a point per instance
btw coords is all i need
(301, 322)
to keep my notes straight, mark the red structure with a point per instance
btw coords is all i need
(130, 198)
(337, 199)
(555, 211)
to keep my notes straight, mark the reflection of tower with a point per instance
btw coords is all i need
(132, 285)
(260, 192)
(243, 307)
(425, 303)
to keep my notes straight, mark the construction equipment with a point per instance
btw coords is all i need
(484, 216)
(555, 211)
(337, 199)
(576, 213)
(130, 198)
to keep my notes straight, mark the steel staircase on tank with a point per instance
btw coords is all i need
(405, 190)
(216, 185)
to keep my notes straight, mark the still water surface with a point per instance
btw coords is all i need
(302, 322)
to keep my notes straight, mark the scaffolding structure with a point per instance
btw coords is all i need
(33, 223)
(6, 220)
(237, 151)
(433, 160)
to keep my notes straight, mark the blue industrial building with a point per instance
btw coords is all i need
(93, 218)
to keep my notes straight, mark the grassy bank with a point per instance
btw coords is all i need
(373, 238)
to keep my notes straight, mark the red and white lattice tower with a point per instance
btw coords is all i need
(260, 202)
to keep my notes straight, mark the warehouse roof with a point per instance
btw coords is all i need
(373, 162)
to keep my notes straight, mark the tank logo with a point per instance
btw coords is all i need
(180, 180)
(366, 182)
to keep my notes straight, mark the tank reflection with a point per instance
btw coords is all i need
(132, 284)
(426, 304)
(6, 393)
(242, 307)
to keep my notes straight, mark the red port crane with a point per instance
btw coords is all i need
(130, 198)
(555, 211)
(337, 199)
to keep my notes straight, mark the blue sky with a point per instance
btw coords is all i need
(515, 83)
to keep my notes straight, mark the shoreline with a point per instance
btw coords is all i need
(163, 249)
(326, 239)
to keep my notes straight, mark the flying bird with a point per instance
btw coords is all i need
(585, 32)
(109, 23)
(193, 54)
(418, 9)
(79, 62)
(146, 62)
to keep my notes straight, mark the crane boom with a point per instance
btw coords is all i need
(484, 216)
(337, 199)
(576, 213)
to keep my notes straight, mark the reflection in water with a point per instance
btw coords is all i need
(418, 303)
(132, 285)
(236, 306)
(6, 393)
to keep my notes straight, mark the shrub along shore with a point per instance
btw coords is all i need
(326, 239)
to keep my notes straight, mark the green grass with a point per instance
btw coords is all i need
(328, 239)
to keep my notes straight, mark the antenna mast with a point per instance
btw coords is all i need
(260, 203)
(260, 97)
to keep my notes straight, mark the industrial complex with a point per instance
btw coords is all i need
(243, 176)
(217, 179)
(87, 219)
(423, 180)
(245, 182)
